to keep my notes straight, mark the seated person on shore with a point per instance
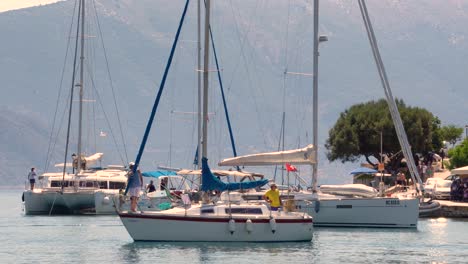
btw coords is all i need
(272, 196)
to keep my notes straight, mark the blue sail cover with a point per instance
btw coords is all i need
(159, 173)
(212, 183)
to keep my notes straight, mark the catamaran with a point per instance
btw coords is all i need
(73, 190)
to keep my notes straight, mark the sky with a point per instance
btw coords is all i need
(6, 5)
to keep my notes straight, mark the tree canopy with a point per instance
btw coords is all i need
(357, 133)
(459, 155)
(451, 134)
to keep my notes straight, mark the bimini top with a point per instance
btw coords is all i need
(159, 173)
(212, 183)
(460, 171)
(296, 156)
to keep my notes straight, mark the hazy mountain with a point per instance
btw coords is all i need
(423, 44)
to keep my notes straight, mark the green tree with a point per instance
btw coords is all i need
(357, 133)
(451, 134)
(459, 155)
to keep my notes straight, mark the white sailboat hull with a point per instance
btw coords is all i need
(47, 201)
(108, 202)
(105, 202)
(341, 211)
(173, 225)
(39, 202)
(362, 212)
(81, 200)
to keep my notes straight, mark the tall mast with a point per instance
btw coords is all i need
(205, 79)
(199, 79)
(80, 117)
(315, 97)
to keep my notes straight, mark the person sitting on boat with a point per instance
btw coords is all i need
(135, 183)
(32, 178)
(401, 179)
(150, 187)
(272, 196)
(163, 184)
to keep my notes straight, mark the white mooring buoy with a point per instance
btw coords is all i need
(232, 226)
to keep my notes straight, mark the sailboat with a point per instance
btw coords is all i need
(74, 192)
(227, 220)
(342, 210)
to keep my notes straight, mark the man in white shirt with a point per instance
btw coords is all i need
(32, 178)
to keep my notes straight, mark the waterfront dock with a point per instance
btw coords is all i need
(451, 209)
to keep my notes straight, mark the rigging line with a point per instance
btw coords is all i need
(71, 96)
(111, 83)
(231, 135)
(286, 58)
(284, 83)
(55, 142)
(279, 142)
(49, 149)
(158, 96)
(105, 116)
(281, 138)
(91, 113)
(243, 57)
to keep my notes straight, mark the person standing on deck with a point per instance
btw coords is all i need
(32, 178)
(135, 183)
(272, 196)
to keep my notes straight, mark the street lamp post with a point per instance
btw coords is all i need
(466, 131)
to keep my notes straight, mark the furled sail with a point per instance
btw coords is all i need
(89, 160)
(296, 156)
(93, 158)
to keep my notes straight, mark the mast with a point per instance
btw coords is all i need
(199, 82)
(80, 117)
(315, 97)
(393, 108)
(205, 79)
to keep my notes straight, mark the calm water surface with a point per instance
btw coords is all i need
(103, 239)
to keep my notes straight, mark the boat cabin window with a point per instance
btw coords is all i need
(116, 185)
(207, 211)
(244, 211)
(87, 184)
(103, 185)
(59, 184)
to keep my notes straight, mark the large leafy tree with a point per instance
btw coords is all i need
(459, 155)
(451, 134)
(357, 133)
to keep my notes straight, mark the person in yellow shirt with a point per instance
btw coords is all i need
(272, 196)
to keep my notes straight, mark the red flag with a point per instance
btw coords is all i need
(290, 167)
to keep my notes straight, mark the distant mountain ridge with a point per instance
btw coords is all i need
(423, 44)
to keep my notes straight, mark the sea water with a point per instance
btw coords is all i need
(103, 239)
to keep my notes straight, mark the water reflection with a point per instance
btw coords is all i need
(213, 252)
